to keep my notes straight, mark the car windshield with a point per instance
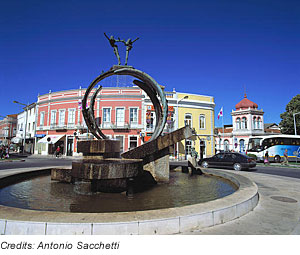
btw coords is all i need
(220, 155)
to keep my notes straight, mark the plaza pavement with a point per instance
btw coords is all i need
(271, 216)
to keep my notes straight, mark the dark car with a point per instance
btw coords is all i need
(233, 160)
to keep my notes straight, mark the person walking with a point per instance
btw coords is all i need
(57, 151)
(7, 152)
(285, 157)
(1, 152)
(266, 160)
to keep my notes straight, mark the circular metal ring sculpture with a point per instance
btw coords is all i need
(145, 82)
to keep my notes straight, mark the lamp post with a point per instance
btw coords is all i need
(16, 102)
(177, 120)
(295, 127)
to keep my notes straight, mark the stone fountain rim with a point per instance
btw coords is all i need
(219, 211)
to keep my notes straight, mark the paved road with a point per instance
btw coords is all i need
(36, 162)
(272, 169)
(49, 161)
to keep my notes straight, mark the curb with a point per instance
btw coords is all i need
(10, 160)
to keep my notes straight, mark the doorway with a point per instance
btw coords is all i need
(70, 146)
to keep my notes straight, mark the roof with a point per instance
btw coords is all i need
(245, 103)
(271, 125)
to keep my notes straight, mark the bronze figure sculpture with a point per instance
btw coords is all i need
(128, 45)
(112, 42)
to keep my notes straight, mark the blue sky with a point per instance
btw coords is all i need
(217, 48)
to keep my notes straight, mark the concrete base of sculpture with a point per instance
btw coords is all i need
(155, 154)
(159, 165)
(105, 174)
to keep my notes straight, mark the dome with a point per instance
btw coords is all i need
(245, 104)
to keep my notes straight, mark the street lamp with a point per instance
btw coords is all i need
(294, 115)
(16, 102)
(177, 120)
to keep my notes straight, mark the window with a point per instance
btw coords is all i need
(28, 128)
(53, 117)
(150, 119)
(133, 115)
(220, 155)
(188, 146)
(120, 116)
(132, 142)
(188, 119)
(244, 123)
(33, 126)
(259, 123)
(61, 117)
(238, 123)
(202, 122)
(242, 145)
(42, 118)
(254, 123)
(106, 115)
(170, 120)
(226, 145)
(71, 116)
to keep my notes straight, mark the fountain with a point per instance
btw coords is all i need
(106, 178)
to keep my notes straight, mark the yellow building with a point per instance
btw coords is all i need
(198, 112)
(187, 109)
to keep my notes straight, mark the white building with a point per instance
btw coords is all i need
(247, 120)
(26, 126)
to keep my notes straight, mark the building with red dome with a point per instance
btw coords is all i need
(247, 120)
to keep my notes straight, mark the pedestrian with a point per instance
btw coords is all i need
(285, 158)
(7, 152)
(57, 151)
(1, 152)
(266, 160)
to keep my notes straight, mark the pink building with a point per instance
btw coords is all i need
(118, 112)
(8, 129)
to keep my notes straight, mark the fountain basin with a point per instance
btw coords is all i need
(160, 221)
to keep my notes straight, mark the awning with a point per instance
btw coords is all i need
(50, 139)
(16, 140)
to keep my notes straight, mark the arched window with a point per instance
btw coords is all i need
(188, 119)
(242, 145)
(244, 123)
(202, 121)
(254, 123)
(238, 123)
(259, 123)
(226, 145)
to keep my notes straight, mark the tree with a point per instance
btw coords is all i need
(287, 122)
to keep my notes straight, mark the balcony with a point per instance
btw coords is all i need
(122, 125)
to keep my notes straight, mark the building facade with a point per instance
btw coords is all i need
(25, 136)
(196, 111)
(118, 112)
(247, 120)
(124, 113)
(8, 129)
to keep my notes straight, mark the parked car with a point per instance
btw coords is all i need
(233, 160)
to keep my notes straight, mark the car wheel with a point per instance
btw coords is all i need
(277, 159)
(204, 164)
(237, 167)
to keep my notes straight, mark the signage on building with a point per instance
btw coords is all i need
(40, 135)
(151, 108)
